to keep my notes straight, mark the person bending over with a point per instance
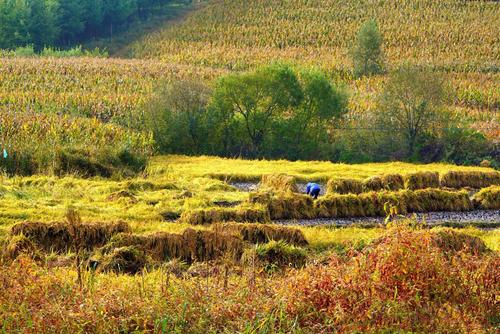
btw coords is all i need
(313, 189)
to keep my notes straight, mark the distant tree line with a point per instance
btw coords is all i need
(279, 111)
(61, 23)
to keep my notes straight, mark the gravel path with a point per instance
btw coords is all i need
(483, 217)
(245, 186)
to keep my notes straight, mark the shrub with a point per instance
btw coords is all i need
(488, 198)
(279, 182)
(48, 143)
(80, 163)
(178, 117)
(367, 53)
(473, 179)
(409, 281)
(422, 180)
(452, 241)
(344, 186)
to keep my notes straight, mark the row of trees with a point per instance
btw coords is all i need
(274, 111)
(44, 23)
(278, 111)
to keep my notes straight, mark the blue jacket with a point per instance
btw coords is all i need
(312, 187)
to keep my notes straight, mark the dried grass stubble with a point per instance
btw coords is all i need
(58, 236)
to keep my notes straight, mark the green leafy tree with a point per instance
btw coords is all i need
(14, 18)
(71, 20)
(43, 26)
(367, 54)
(178, 117)
(323, 103)
(94, 16)
(118, 11)
(412, 105)
(257, 98)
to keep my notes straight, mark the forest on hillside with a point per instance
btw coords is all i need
(64, 23)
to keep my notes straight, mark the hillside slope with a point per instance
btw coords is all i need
(236, 34)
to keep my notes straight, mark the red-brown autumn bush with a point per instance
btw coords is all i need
(406, 281)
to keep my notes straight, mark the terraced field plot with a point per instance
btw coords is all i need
(172, 186)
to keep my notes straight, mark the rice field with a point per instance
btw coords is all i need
(126, 250)
(170, 186)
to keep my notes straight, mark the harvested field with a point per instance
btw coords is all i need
(488, 198)
(279, 182)
(275, 254)
(190, 246)
(422, 180)
(215, 215)
(266, 206)
(344, 186)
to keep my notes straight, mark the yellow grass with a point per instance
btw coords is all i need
(252, 170)
(172, 184)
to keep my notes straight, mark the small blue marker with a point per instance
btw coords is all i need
(5, 155)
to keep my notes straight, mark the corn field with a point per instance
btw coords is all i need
(102, 88)
(236, 34)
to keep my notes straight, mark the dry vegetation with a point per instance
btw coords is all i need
(121, 267)
(437, 281)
